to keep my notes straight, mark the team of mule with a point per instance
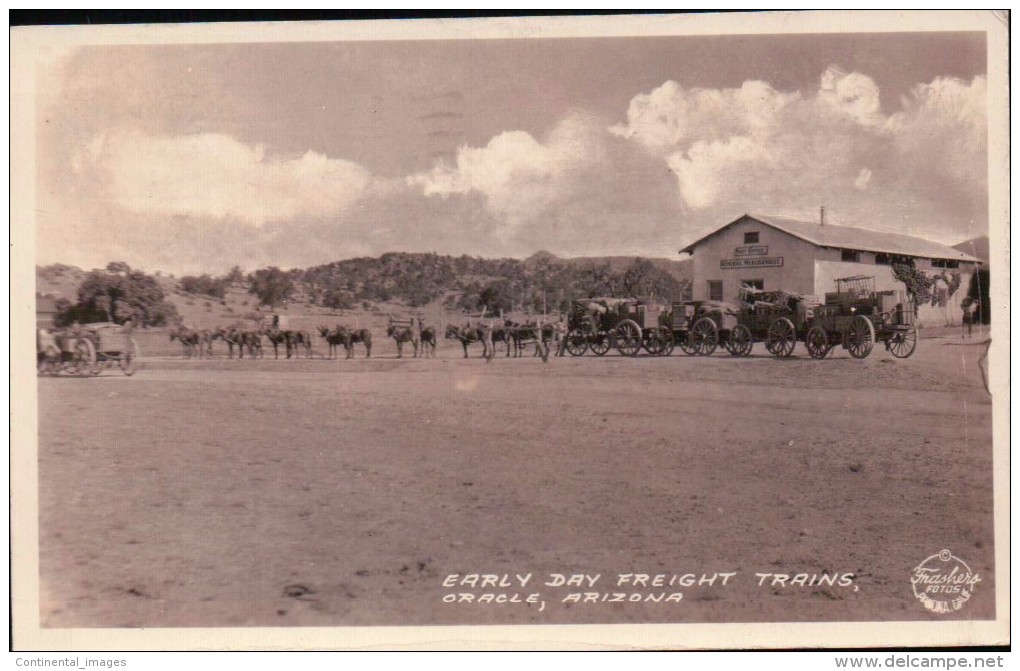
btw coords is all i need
(422, 340)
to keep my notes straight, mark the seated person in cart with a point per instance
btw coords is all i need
(594, 310)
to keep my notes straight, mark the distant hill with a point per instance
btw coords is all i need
(978, 247)
(682, 270)
(401, 282)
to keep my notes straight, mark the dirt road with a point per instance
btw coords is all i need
(318, 493)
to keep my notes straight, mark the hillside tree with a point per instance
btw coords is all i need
(117, 294)
(272, 286)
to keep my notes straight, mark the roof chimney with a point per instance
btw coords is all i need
(823, 215)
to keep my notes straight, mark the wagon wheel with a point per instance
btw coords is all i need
(704, 336)
(600, 343)
(782, 337)
(740, 342)
(817, 342)
(665, 338)
(652, 344)
(129, 358)
(85, 362)
(577, 342)
(628, 338)
(684, 340)
(902, 343)
(860, 337)
(657, 340)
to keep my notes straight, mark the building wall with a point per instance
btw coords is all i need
(808, 269)
(829, 267)
(796, 273)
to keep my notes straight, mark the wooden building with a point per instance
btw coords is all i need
(806, 257)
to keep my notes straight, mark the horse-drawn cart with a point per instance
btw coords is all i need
(775, 318)
(856, 317)
(600, 324)
(87, 350)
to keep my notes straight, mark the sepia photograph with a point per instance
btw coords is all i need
(646, 331)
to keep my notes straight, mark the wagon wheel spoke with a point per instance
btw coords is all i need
(600, 343)
(628, 338)
(903, 343)
(665, 341)
(684, 341)
(653, 345)
(740, 341)
(782, 337)
(704, 336)
(860, 337)
(817, 342)
(577, 342)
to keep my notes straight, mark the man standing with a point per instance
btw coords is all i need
(970, 308)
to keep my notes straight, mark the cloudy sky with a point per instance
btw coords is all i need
(197, 158)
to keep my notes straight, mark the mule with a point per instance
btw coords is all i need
(428, 342)
(234, 337)
(276, 338)
(334, 339)
(472, 334)
(296, 340)
(403, 334)
(195, 342)
(354, 336)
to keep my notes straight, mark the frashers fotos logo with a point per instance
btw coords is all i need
(943, 582)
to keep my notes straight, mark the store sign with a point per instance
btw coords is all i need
(751, 250)
(754, 262)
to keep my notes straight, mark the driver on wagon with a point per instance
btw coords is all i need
(595, 311)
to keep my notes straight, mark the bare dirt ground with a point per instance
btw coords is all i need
(330, 493)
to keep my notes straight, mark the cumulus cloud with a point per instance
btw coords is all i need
(944, 126)
(671, 116)
(853, 95)
(683, 161)
(214, 175)
(519, 176)
(753, 147)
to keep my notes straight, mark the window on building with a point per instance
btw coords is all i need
(715, 290)
(751, 238)
(944, 263)
(754, 284)
(894, 259)
(851, 255)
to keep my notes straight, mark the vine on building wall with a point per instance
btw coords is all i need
(925, 289)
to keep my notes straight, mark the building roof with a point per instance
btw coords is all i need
(847, 237)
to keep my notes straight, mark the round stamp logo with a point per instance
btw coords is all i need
(943, 582)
